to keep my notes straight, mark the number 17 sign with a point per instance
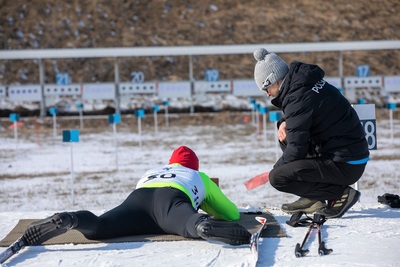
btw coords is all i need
(366, 113)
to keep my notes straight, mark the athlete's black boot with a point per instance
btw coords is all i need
(41, 231)
(228, 232)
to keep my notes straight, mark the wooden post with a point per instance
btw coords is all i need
(216, 181)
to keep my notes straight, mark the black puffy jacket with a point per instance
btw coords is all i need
(317, 115)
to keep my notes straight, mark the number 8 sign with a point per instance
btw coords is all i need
(366, 113)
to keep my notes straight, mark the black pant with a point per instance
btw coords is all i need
(145, 211)
(315, 178)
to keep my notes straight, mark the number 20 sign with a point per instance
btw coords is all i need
(366, 113)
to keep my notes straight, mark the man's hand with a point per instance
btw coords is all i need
(282, 131)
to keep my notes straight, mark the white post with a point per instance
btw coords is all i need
(115, 145)
(72, 176)
(265, 127)
(54, 126)
(257, 123)
(391, 125)
(166, 116)
(276, 144)
(140, 131)
(16, 132)
(81, 118)
(155, 122)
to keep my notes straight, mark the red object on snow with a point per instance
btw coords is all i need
(256, 181)
(19, 124)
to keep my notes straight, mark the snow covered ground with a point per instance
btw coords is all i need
(35, 182)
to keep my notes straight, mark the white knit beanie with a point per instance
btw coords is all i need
(269, 69)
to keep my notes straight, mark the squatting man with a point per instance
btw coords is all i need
(323, 142)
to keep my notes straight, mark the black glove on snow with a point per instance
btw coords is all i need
(390, 199)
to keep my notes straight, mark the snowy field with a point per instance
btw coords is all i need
(36, 181)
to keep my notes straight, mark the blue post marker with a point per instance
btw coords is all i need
(140, 114)
(391, 107)
(166, 104)
(115, 119)
(53, 112)
(80, 109)
(275, 116)
(156, 108)
(14, 118)
(71, 136)
(263, 112)
(361, 101)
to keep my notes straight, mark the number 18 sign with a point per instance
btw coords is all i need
(366, 113)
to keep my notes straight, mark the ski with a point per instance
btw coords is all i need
(36, 233)
(255, 238)
(317, 222)
(12, 250)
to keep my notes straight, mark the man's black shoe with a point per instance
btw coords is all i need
(304, 205)
(336, 208)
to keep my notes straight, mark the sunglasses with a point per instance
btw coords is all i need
(265, 88)
(267, 83)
